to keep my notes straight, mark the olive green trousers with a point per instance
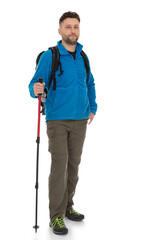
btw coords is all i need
(66, 139)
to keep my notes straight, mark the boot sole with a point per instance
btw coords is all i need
(60, 233)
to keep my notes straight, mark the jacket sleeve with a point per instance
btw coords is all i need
(91, 92)
(43, 71)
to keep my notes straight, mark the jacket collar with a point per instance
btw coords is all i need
(63, 50)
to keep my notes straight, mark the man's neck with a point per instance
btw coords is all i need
(70, 48)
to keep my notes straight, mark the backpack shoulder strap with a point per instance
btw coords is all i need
(55, 58)
(55, 65)
(38, 58)
(86, 63)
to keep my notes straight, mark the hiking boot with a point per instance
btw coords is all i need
(74, 216)
(58, 226)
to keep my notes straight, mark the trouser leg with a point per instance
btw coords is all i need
(75, 146)
(66, 140)
(58, 193)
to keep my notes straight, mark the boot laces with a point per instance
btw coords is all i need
(59, 222)
(73, 211)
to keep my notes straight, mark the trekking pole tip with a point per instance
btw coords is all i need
(36, 227)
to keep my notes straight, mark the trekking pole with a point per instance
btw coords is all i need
(37, 162)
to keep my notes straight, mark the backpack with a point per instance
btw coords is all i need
(55, 64)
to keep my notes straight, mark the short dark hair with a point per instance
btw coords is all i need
(69, 15)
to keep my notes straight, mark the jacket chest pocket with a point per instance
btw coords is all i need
(82, 77)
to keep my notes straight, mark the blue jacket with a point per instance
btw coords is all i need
(73, 98)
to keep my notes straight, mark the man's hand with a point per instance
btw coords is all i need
(91, 117)
(38, 88)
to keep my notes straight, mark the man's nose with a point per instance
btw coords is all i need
(73, 30)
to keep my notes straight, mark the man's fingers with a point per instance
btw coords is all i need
(38, 88)
(90, 120)
(91, 117)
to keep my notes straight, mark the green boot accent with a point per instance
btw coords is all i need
(74, 216)
(59, 226)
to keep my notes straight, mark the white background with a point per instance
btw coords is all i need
(117, 190)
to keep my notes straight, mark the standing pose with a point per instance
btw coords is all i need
(68, 107)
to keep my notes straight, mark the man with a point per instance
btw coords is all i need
(68, 109)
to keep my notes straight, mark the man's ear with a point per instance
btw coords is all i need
(59, 31)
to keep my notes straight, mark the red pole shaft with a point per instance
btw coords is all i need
(39, 109)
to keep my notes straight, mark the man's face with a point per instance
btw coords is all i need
(70, 30)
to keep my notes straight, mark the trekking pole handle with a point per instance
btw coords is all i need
(40, 80)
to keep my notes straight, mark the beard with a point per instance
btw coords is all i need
(70, 41)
